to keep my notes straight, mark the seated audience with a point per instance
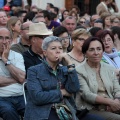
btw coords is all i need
(99, 87)
(62, 83)
(59, 85)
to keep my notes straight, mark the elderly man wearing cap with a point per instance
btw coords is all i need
(37, 32)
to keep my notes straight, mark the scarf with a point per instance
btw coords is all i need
(112, 58)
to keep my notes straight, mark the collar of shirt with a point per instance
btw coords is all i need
(33, 54)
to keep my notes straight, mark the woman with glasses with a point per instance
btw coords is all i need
(63, 34)
(110, 55)
(78, 38)
(115, 21)
(82, 21)
(99, 86)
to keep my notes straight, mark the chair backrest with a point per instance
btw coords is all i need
(25, 92)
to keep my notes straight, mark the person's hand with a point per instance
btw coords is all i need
(6, 49)
(113, 3)
(114, 105)
(65, 93)
(65, 57)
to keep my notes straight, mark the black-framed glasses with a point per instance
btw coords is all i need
(82, 22)
(116, 21)
(65, 38)
(41, 36)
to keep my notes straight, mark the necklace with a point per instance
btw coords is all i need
(76, 59)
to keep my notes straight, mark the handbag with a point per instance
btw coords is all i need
(65, 110)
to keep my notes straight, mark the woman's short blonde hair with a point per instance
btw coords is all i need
(81, 31)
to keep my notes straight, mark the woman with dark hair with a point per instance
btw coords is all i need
(29, 16)
(62, 33)
(65, 13)
(110, 55)
(99, 87)
(116, 32)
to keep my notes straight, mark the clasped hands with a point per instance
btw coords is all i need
(113, 105)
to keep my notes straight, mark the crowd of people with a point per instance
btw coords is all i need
(61, 60)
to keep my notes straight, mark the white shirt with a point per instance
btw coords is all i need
(15, 89)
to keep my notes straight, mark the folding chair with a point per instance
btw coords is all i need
(25, 92)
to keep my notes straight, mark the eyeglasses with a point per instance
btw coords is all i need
(6, 38)
(81, 39)
(41, 36)
(107, 40)
(82, 22)
(65, 38)
(116, 21)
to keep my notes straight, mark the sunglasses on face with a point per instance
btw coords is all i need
(41, 36)
(82, 22)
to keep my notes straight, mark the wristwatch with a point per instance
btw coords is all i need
(7, 63)
(71, 66)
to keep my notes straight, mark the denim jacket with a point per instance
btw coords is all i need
(43, 89)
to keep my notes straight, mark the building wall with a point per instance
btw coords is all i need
(42, 3)
(118, 4)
